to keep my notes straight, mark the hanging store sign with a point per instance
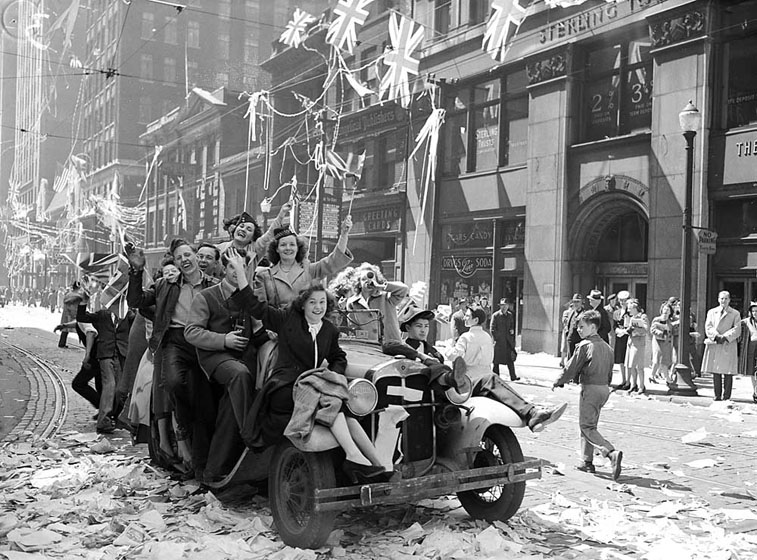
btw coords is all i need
(381, 219)
(465, 267)
(372, 120)
(707, 241)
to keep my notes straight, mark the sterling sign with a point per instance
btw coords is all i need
(707, 241)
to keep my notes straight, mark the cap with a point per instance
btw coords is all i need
(506, 300)
(578, 298)
(624, 294)
(245, 217)
(280, 233)
(72, 297)
(412, 312)
(595, 294)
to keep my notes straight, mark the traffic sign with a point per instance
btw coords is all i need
(707, 241)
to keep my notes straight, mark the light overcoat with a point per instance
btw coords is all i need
(721, 358)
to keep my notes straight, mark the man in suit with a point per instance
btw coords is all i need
(502, 329)
(112, 346)
(458, 319)
(595, 299)
(722, 329)
(220, 327)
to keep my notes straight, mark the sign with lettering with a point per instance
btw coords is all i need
(307, 216)
(740, 164)
(707, 241)
(382, 219)
(467, 235)
(609, 183)
(371, 120)
(592, 19)
(465, 267)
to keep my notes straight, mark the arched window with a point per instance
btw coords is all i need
(624, 240)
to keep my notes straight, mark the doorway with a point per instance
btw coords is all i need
(511, 287)
(742, 290)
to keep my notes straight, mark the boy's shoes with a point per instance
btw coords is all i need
(107, 427)
(616, 457)
(586, 467)
(458, 373)
(516, 378)
(541, 417)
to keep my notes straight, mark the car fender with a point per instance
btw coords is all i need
(481, 413)
(320, 439)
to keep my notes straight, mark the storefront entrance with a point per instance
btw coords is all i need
(742, 290)
(609, 244)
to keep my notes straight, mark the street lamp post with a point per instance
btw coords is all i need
(689, 120)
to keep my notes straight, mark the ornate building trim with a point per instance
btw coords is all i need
(555, 65)
(679, 28)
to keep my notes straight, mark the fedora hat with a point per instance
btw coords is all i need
(577, 297)
(411, 312)
(595, 294)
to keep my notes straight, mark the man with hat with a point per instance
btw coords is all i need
(571, 329)
(596, 298)
(502, 328)
(458, 319)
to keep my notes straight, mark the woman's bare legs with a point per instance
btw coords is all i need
(342, 434)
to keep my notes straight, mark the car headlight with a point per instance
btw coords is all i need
(363, 397)
(459, 397)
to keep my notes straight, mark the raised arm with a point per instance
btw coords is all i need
(262, 242)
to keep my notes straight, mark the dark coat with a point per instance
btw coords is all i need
(112, 338)
(211, 318)
(503, 333)
(162, 296)
(273, 405)
(605, 324)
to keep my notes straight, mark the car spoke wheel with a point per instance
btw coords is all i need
(294, 477)
(499, 446)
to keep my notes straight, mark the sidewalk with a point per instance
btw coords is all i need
(543, 369)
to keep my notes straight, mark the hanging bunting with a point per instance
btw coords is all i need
(296, 30)
(429, 134)
(329, 162)
(356, 85)
(342, 31)
(405, 38)
(505, 19)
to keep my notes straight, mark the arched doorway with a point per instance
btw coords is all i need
(609, 245)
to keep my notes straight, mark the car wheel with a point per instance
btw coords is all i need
(499, 446)
(294, 477)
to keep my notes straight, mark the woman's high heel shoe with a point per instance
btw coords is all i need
(364, 474)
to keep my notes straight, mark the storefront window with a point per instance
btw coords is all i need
(742, 84)
(618, 90)
(486, 125)
(468, 277)
(736, 218)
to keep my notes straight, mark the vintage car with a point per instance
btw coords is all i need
(449, 443)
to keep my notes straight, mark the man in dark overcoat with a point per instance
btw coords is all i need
(502, 329)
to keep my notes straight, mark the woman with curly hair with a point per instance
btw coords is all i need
(291, 271)
(636, 327)
(308, 385)
(661, 329)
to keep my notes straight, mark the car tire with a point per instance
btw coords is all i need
(294, 477)
(499, 446)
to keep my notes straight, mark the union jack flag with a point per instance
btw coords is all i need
(342, 31)
(330, 162)
(399, 59)
(117, 286)
(506, 17)
(295, 31)
(94, 262)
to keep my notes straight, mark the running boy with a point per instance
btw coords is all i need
(591, 364)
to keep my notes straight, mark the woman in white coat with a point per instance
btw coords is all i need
(722, 330)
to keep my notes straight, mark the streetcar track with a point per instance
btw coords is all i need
(42, 421)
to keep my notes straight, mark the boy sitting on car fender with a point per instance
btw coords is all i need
(415, 322)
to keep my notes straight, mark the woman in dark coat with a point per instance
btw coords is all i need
(306, 342)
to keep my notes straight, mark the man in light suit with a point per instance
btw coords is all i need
(722, 330)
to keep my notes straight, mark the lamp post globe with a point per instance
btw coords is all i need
(689, 119)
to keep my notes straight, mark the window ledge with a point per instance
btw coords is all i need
(636, 136)
(472, 174)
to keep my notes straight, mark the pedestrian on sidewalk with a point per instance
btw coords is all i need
(748, 346)
(722, 329)
(637, 328)
(595, 299)
(592, 364)
(502, 330)
(572, 336)
(661, 329)
(621, 338)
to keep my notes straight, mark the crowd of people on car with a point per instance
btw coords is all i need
(235, 345)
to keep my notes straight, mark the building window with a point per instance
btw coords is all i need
(251, 50)
(486, 125)
(171, 35)
(169, 70)
(222, 79)
(742, 85)
(145, 67)
(148, 25)
(442, 16)
(617, 95)
(478, 10)
(224, 8)
(193, 34)
(224, 43)
(145, 109)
